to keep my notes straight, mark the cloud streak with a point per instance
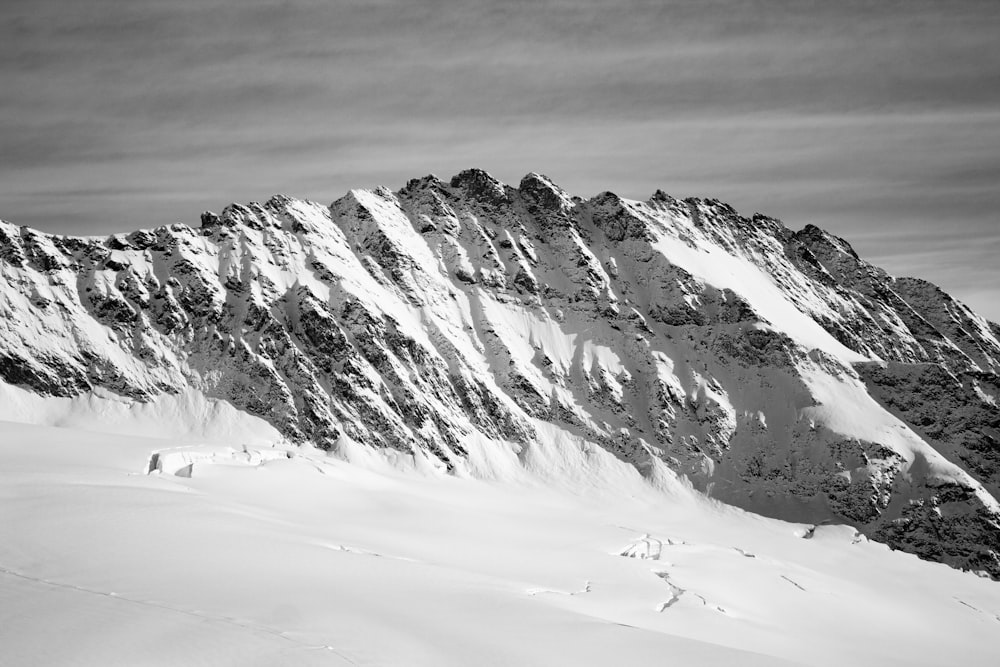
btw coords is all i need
(875, 120)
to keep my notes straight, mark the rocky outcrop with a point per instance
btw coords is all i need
(776, 369)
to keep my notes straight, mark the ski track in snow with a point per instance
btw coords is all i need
(365, 552)
(415, 547)
(793, 583)
(995, 617)
(212, 618)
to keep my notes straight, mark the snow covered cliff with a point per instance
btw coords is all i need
(775, 369)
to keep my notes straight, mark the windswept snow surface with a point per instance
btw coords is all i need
(119, 549)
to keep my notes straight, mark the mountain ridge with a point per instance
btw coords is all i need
(776, 369)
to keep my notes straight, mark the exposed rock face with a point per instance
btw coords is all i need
(776, 369)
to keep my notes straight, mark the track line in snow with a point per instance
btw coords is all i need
(793, 583)
(995, 617)
(215, 618)
(963, 602)
(344, 548)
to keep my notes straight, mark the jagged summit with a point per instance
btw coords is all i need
(775, 369)
(480, 185)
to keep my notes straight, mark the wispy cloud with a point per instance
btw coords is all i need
(877, 120)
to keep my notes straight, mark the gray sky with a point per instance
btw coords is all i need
(879, 121)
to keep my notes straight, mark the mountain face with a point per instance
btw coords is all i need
(775, 369)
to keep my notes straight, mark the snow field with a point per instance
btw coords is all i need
(309, 559)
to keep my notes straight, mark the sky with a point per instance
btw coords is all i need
(878, 121)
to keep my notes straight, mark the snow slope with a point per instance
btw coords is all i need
(284, 555)
(468, 324)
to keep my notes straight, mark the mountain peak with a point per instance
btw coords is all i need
(481, 185)
(539, 190)
(678, 335)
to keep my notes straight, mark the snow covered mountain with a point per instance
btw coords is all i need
(776, 370)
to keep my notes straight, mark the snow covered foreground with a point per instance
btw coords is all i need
(217, 548)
